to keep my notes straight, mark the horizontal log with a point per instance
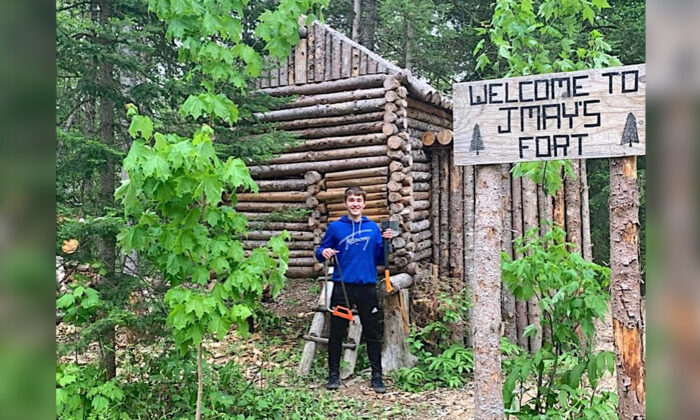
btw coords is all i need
(419, 156)
(250, 244)
(274, 216)
(326, 143)
(336, 193)
(322, 340)
(399, 281)
(359, 82)
(263, 207)
(421, 176)
(301, 272)
(265, 225)
(329, 121)
(302, 262)
(263, 171)
(345, 183)
(429, 118)
(391, 83)
(422, 235)
(282, 185)
(395, 166)
(421, 195)
(344, 130)
(428, 108)
(419, 225)
(423, 254)
(301, 253)
(421, 186)
(423, 126)
(335, 97)
(291, 196)
(394, 142)
(389, 129)
(264, 235)
(421, 205)
(428, 138)
(444, 137)
(420, 215)
(346, 153)
(426, 244)
(312, 176)
(329, 110)
(421, 167)
(357, 173)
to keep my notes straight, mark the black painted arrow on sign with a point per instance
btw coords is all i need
(477, 142)
(629, 133)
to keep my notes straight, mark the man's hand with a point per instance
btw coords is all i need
(328, 253)
(388, 234)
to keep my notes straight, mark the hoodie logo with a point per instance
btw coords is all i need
(352, 239)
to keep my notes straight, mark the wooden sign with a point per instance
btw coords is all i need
(576, 115)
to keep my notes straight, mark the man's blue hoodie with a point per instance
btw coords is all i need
(360, 249)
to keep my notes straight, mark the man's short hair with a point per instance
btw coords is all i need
(355, 191)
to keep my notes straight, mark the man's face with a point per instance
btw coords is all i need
(355, 204)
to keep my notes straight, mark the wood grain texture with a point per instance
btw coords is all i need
(579, 99)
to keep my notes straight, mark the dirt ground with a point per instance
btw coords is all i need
(271, 355)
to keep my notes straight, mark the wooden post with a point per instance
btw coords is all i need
(625, 281)
(468, 176)
(507, 298)
(487, 296)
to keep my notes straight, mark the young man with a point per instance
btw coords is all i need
(356, 243)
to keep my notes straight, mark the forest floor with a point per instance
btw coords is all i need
(270, 355)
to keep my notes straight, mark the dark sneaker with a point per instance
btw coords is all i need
(377, 384)
(333, 381)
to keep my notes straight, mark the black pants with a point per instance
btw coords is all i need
(365, 297)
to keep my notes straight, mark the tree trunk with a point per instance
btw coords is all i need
(198, 411)
(520, 306)
(435, 206)
(468, 177)
(408, 43)
(507, 298)
(444, 212)
(107, 243)
(357, 13)
(625, 286)
(573, 208)
(487, 296)
(529, 200)
(395, 351)
(368, 26)
(586, 243)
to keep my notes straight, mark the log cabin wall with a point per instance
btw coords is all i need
(367, 122)
(355, 112)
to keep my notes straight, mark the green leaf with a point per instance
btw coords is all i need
(65, 301)
(212, 187)
(141, 124)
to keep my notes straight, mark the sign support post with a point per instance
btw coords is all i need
(577, 115)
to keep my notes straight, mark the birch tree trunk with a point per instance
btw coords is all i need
(487, 296)
(625, 285)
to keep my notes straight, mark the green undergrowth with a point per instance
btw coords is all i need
(442, 361)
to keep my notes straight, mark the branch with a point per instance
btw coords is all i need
(73, 6)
